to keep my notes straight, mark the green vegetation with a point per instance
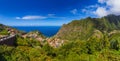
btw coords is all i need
(90, 39)
(84, 28)
(27, 42)
(4, 32)
(100, 49)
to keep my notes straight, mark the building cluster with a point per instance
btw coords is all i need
(31, 35)
(12, 31)
(55, 42)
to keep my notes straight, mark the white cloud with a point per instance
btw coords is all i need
(74, 11)
(105, 7)
(102, 1)
(114, 6)
(101, 11)
(31, 17)
(34, 17)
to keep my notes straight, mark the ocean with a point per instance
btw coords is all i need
(47, 31)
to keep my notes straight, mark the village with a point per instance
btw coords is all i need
(10, 34)
(53, 42)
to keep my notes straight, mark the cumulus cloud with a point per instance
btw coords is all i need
(31, 17)
(105, 7)
(114, 6)
(74, 11)
(101, 11)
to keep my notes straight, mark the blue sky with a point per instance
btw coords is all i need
(49, 12)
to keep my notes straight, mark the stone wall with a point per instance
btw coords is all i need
(9, 41)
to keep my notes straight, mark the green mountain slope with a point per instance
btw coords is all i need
(84, 28)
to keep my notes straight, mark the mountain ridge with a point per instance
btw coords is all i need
(83, 29)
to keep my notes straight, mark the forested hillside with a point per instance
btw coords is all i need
(84, 28)
(89, 39)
